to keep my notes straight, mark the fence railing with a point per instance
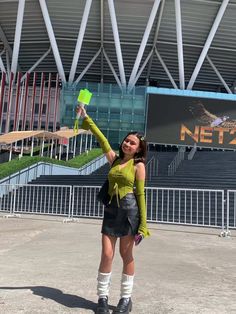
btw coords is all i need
(186, 206)
(231, 210)
(173, 166)
(36, 199)
(198, 207)
(84, 202)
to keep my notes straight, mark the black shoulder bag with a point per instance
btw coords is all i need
(103, 196)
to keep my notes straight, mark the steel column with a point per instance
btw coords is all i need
(52, 39)
(166, 69)
(208, 43)
(142, 68)
(8, 67)
(219, 75)
(143, 43)
(5, 41)
(112, 69)
(155, 38)
(2, 67)
(117, 42)
(179, 44)
(37, 63)
(80, 40)
(87, 67)
(19, 22)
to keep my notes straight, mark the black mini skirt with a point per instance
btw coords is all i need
(121, 219)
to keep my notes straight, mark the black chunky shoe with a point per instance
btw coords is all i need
(102, 307)
(124, 306)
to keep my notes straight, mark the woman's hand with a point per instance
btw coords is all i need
(80, 111)
(138, 238)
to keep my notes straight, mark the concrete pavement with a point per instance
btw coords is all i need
(48, 266)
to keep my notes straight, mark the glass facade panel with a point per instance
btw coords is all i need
(114, 111)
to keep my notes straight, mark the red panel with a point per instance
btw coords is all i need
(33, 102)
(17, 114)
(3, 83)
(48, 102)
(25, 101)
(9, 100)
(41, 99)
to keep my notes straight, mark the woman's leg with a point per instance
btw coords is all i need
(104, 272)
(108, 251)
(126, 252)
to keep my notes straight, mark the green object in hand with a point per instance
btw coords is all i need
(84, 96)
(83, 99)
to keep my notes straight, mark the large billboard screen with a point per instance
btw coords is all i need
(183, 120)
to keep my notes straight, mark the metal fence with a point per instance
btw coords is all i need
(196, 207)
(231, 210)
(36, 199)
(84, 202)
(186, 206)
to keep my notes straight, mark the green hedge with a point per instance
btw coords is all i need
(15, 165)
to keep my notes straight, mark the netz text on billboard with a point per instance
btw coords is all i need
(183, 120)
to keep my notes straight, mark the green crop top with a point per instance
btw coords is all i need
(121, 179)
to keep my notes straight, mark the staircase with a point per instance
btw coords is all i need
(96, 178)
(207, 170)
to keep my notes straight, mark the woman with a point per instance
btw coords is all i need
(125, 216)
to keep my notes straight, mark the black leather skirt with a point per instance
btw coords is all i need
(121, 219)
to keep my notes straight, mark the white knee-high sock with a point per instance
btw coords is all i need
(127, 282)
(103, 284)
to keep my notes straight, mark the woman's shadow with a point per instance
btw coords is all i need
(69, 300)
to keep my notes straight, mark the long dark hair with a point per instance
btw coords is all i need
(141, 155)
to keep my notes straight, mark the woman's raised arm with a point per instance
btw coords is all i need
(88, 124)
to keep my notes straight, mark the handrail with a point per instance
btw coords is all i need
(173, 166)
(16, 174)
(93, 162)
(149, 161)
(192, 152)
(152, 167)
(27, 175)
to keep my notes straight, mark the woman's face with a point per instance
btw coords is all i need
(130, 146)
